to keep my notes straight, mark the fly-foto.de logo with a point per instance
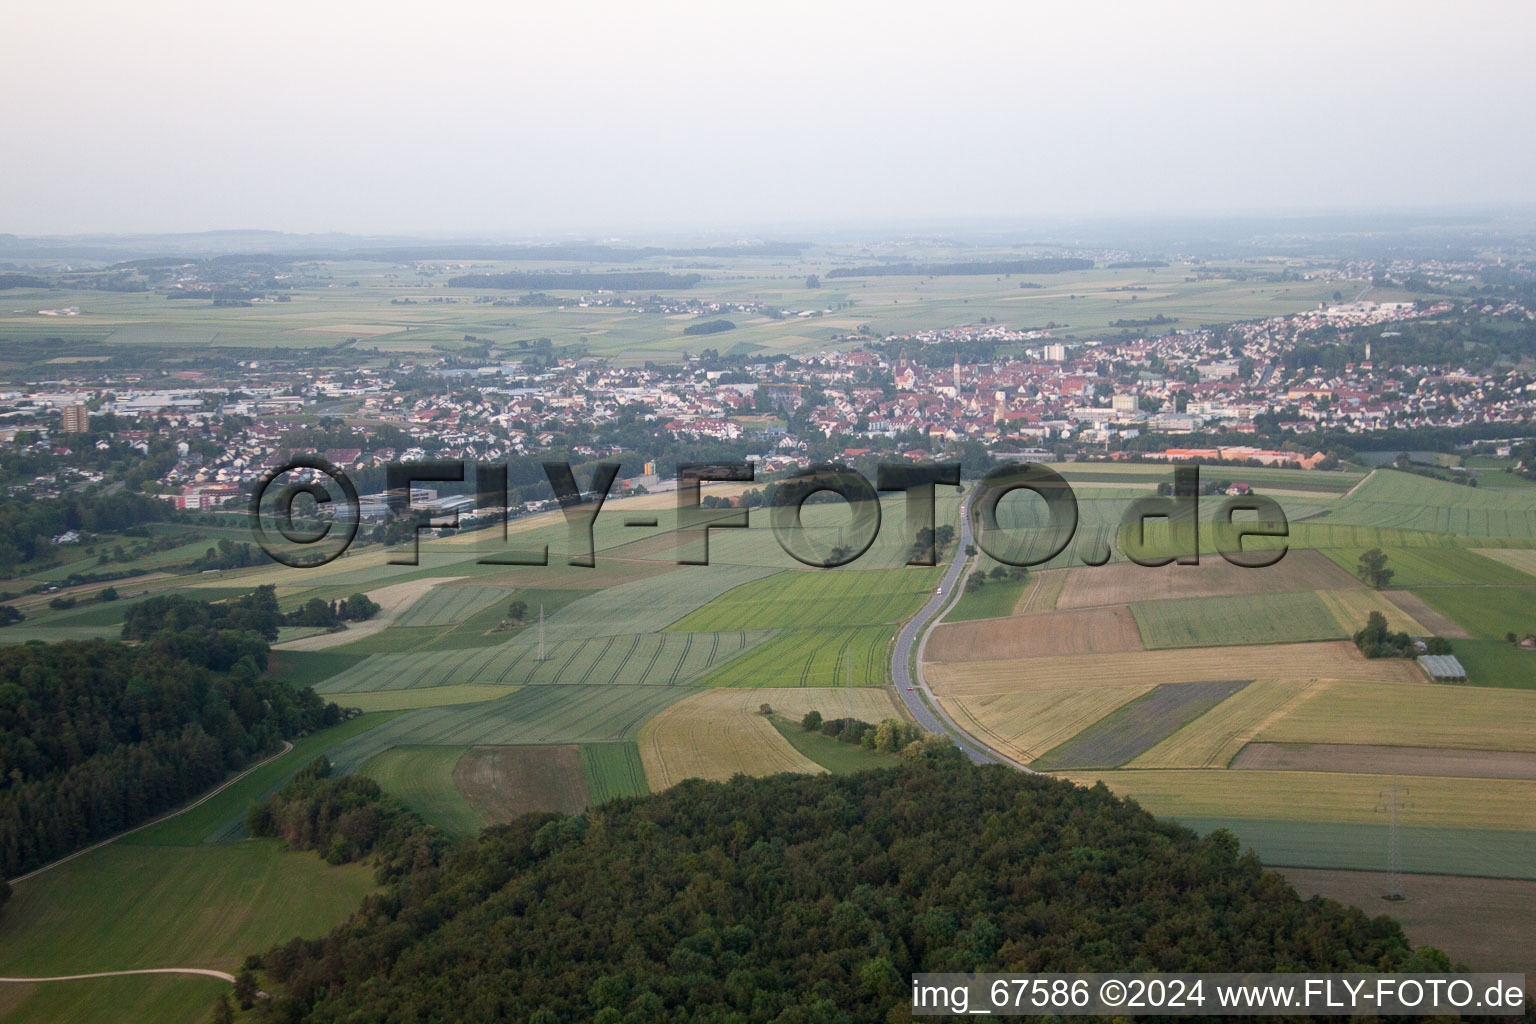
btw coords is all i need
(1153, 530)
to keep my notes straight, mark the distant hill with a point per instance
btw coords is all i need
(797, 898)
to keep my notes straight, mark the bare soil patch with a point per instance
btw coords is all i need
(1375, 760)
(1125, 582)
(504, 782)
(1438, 623)
(1089, 631)
(1485, 923)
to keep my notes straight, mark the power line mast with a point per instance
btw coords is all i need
(1391, 802)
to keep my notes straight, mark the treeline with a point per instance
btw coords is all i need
(1044, 265)
(619, 281)
(710, 327)
(346, 820)
(22, 281)
(891, 736)
(797, 898)
(28, 526)
(217, 634)
(96, 737)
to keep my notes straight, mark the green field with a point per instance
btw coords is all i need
(450, 606)
(835, 756)
(640, 659)
(422, 777)
(994, 599)
(1444, 566)
(613, 770)
(532, 715)
(1407, 501)
(1237, 619)
(1486, 853)
(1489, 613)
(165, 999)
(815, 599)
(851, 656)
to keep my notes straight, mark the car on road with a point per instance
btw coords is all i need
(939, 591)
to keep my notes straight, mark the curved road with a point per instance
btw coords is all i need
(914, 692)
(221, 975)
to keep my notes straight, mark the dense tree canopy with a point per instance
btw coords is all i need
(96, 737)
(796, 898)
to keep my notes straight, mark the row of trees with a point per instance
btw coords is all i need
(174, 621)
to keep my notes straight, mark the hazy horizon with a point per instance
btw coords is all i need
(513, 121)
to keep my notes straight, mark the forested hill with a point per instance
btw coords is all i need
(798, 898)
(96, 737)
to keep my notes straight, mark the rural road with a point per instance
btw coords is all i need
(914, 693)
(222, 976)
(153, 821)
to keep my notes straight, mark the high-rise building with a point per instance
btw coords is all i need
(77, 419)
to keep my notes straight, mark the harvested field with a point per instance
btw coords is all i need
(1358, 758)
(1087, 631)
(1136, 727)
(1330, 660)
(1353, 607)
(717, 733)
(1453, 717)
(1433, 622)
(1484, 922)
(1523, 559)
(1126, 582)
(1508, 804)
(504, 782)
(1026, 725)
(393, 601)
(1236, 619)
(1043, 593)
(1213, 739)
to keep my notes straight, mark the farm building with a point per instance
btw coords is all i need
(1442, 667)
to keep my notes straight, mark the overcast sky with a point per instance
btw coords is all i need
(514, 118)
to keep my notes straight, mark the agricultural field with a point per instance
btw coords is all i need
(850, 656)
(1407, 501)
(1490, 614)
(815, 599)
(1381, 714)
(503, 782)
(1213, 739)
(1235, 620)
(718, 732)
(613, 770)
(533, 714)
(163, 999)
(1354, 757)
(449, 606)
(1328, 660)
(1084, 631)
(995, 599)
(423, 778)
(1025, 725)
(1138, 725)
(641, 659)
(1352, 608)
(1482, 921)
(836, 757)
(1326, 796)
(1128, 583)
(429, 697)
(1486, 853)
(1435, 567)
(1522, 559)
